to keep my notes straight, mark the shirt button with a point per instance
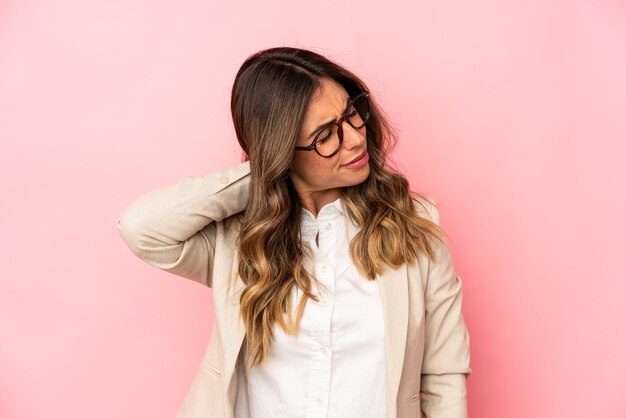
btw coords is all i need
(224, 179)
(328, 226)
(323, 349)
(323, 268)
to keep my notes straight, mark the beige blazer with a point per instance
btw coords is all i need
(189, 228)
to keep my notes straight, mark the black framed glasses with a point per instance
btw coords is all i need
(329, 138)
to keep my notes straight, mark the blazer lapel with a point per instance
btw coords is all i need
(234, 323)
(394, 294)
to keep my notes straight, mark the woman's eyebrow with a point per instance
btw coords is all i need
(319, 128)
(330, 122)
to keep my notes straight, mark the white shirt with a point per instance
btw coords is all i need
(335, 366)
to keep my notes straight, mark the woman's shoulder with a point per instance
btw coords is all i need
(426, 207)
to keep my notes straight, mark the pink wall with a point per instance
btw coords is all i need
(510, 115)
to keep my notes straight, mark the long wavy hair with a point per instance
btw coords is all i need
(270, 95)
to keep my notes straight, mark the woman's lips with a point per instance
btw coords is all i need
(359, 162)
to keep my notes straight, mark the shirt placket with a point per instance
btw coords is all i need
(319, 390)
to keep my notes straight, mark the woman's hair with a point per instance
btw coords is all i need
(270, 96)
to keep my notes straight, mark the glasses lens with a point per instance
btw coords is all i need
(327, 141)
(359, 113)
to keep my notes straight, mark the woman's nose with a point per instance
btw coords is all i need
(352, 137)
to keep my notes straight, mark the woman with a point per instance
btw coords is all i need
(335, 293)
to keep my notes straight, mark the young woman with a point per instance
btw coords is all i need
(334, 290)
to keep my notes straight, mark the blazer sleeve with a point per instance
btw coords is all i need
(446, 362)
(174, 228)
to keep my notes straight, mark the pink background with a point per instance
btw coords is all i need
(511, 115)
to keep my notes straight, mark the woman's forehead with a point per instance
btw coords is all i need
(328, 102)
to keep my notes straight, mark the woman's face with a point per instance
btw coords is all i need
(313, 174)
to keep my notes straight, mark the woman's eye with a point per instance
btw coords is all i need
(324, 139)
(324, 135)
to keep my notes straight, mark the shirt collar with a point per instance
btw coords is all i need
(332, 207)
(329, 212)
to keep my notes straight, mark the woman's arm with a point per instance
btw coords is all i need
(173, 227)
(445, 366)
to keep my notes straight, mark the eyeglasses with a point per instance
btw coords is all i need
(330, 137)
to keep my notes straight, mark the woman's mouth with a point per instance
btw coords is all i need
(360, 161)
